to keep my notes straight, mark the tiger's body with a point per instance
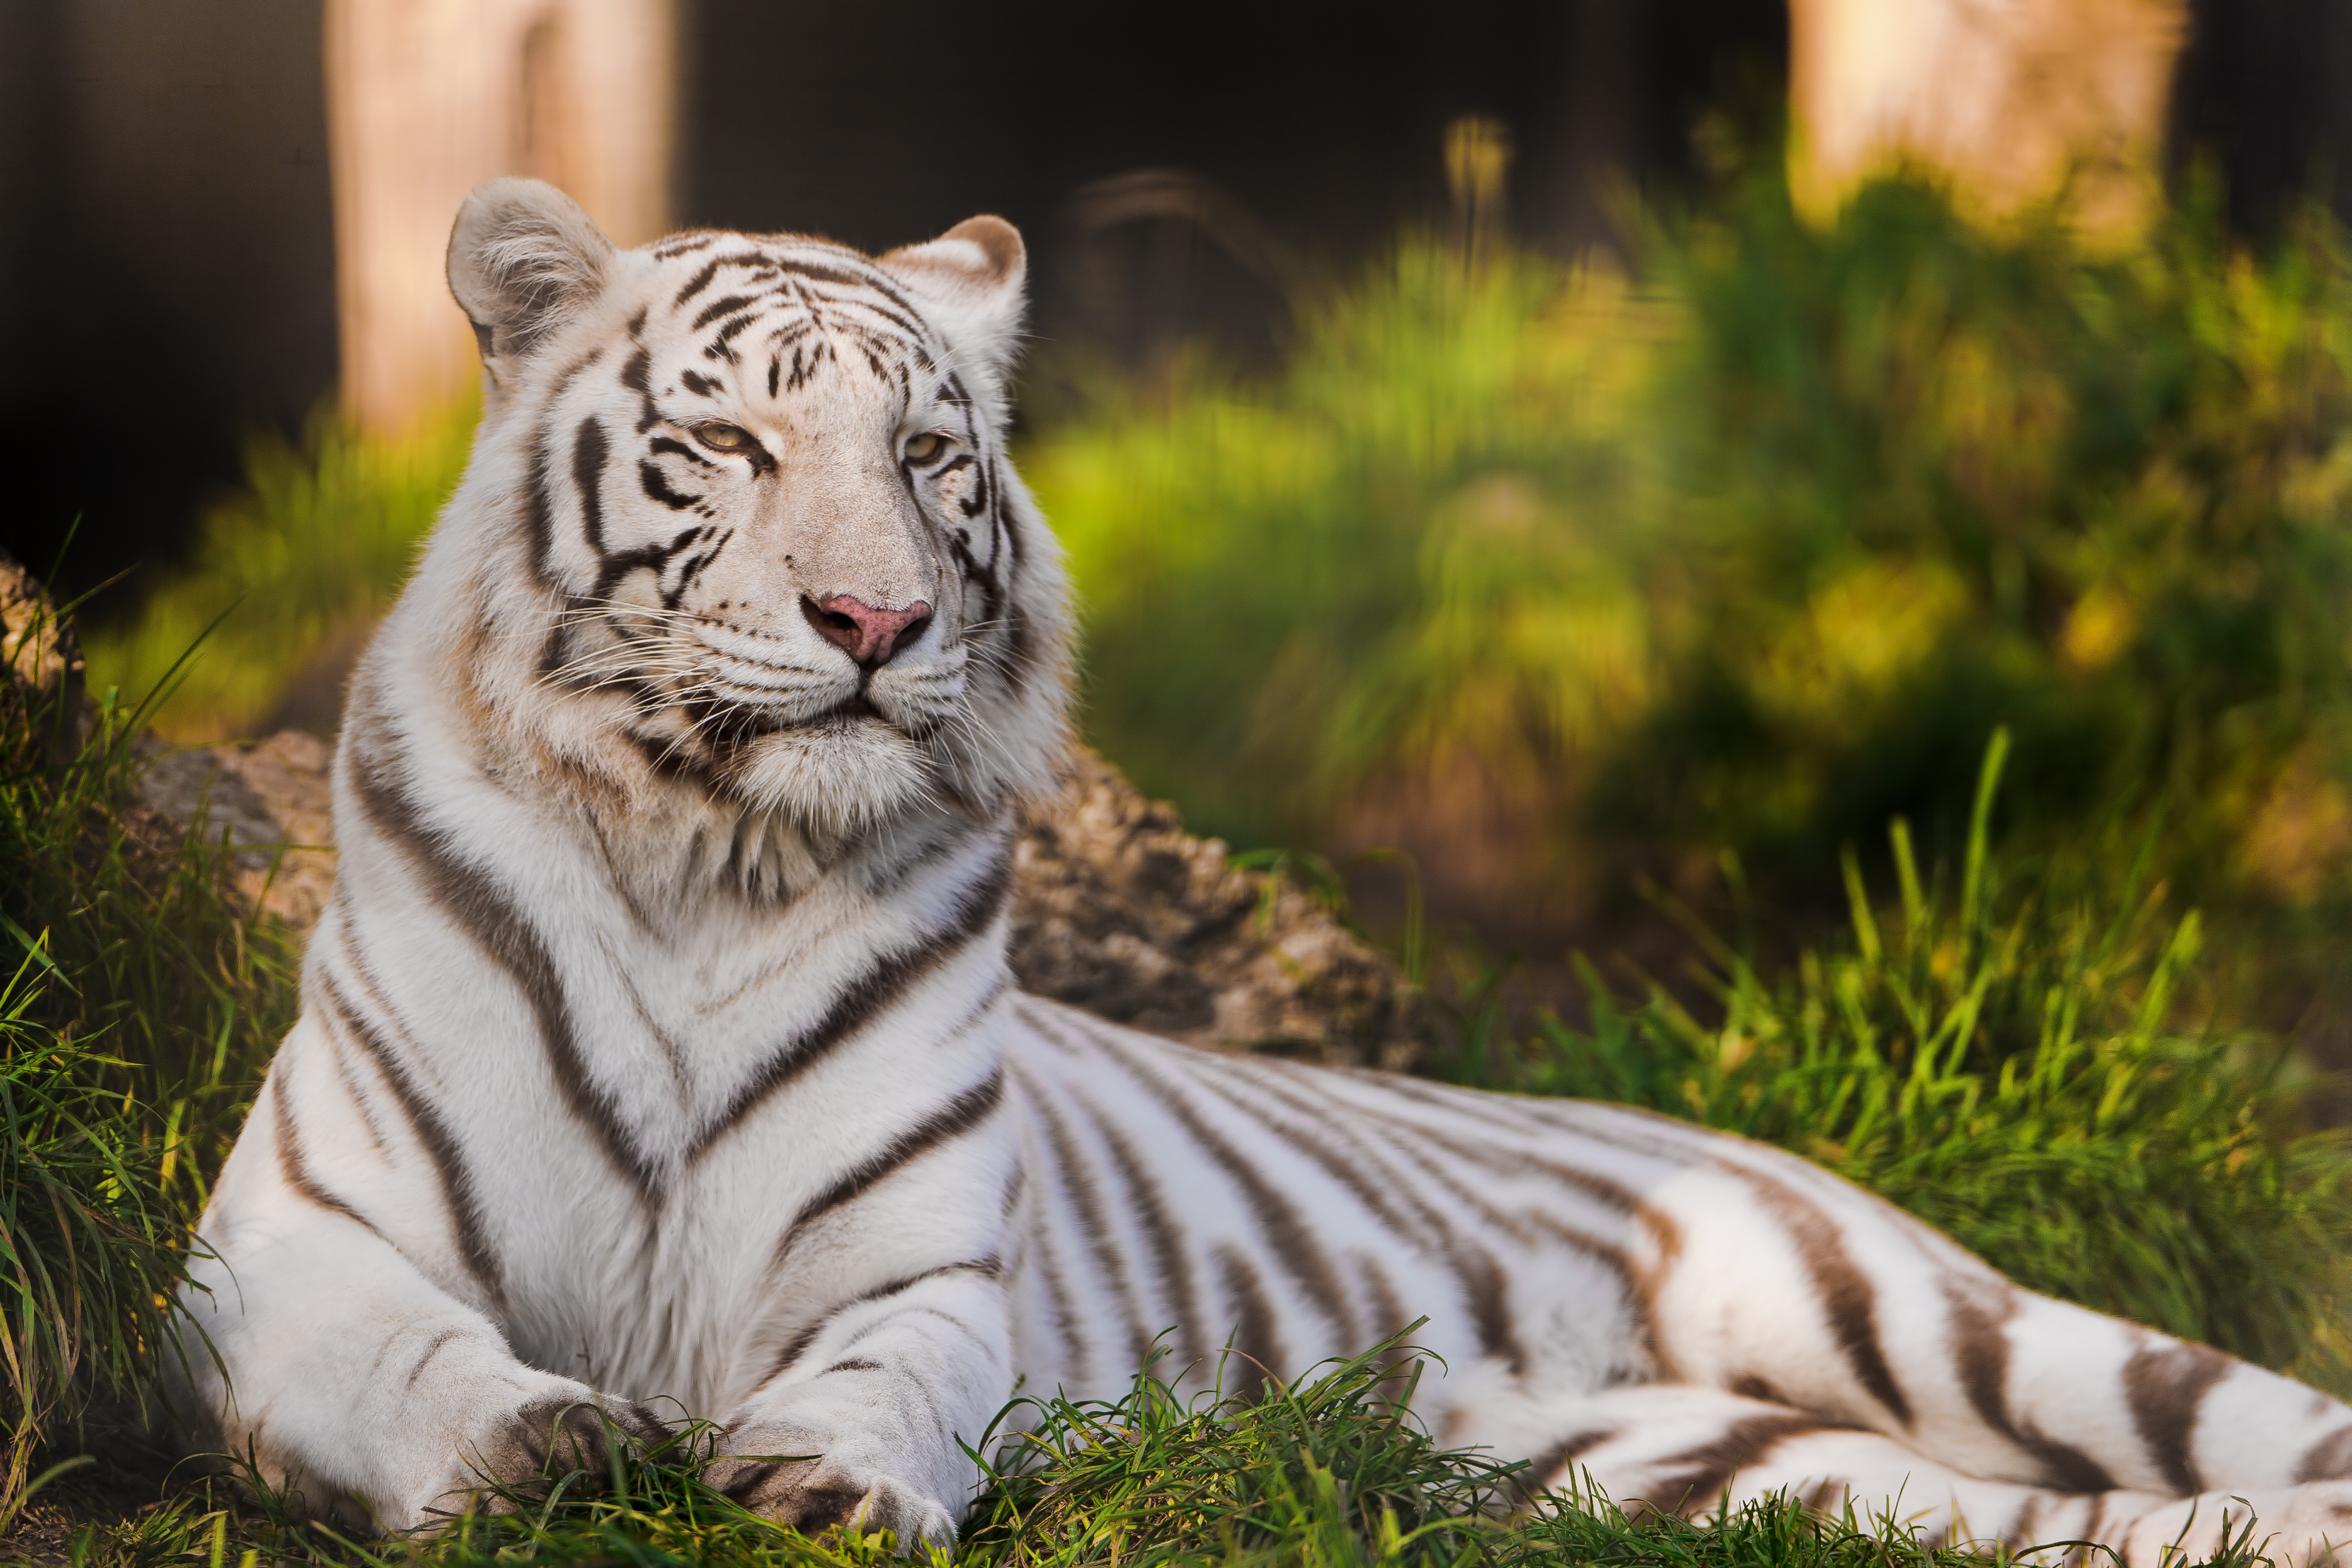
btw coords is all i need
(658, 1045)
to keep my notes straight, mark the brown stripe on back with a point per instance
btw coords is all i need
(1149, 1208)
(1388, 1309)
(1504, 1161)
(1486, 1291)
(1475, 1270)
(1377, 1190)
(1980, 1312)
(1078, 1353)
(457, 1195)
(1289, 1238)
(948, 1123)
(865, 999)
(495, 925)
(355, 1090)
(1849, 1300)
(2165, 1382)
(1078, 1180)
(1255, 1346)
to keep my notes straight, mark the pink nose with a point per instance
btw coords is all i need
(866, 633)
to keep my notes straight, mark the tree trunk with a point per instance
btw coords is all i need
(2015, 103)
(427, 98)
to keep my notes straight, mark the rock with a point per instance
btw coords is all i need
(41, 659)
(275, 801)
(1120, 911)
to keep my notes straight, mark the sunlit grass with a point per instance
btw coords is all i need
(2016, 1070)
(294, 567)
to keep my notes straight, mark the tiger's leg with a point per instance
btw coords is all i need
(1783, 1283)
(1680, 1449)
(325, 1354)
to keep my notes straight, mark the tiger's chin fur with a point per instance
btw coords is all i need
(658, 1055)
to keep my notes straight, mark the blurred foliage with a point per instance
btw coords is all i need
(288, 576)
(2008, 1066)
(1752, 556)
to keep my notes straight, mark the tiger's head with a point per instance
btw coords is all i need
(744, 498)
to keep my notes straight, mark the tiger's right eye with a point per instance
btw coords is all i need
(723, 437)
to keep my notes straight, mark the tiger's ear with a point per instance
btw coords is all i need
(522, 257)
(975, 272)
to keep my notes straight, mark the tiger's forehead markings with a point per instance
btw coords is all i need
(829, 271)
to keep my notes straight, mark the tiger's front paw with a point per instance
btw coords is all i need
(816, 1494)
(552, 1438)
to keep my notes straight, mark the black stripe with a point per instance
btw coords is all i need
(1291, 1240)
(2166, 1383)
(1980, 1310)
(948, 1123)
(537, 525)
(1849, 1300)
(865, 999)
(589, 451)
(675, 447)
(717, 308)
(1148, 1206)
(457, 1195)
(797, 1346)
(656, 485)
(290, 1162)
(1078, 1180)
(1254, 1338)
(483, 912)
(700, 280)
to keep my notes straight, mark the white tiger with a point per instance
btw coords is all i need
(657, 1044)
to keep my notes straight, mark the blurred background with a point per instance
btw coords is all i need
(1562, 475)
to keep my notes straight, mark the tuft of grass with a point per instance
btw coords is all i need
(90, 1249)
(2014, 1072)
(1329, 1470)
(293, 569)
(139, 931)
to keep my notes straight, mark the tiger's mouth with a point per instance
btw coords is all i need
(853, 707)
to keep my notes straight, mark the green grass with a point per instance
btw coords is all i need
(2023, 1074)
(293, 568)
(1327, 1473)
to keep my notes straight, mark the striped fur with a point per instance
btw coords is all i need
(657, 1050)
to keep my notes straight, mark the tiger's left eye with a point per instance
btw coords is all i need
(723, 437)
(922, 449)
